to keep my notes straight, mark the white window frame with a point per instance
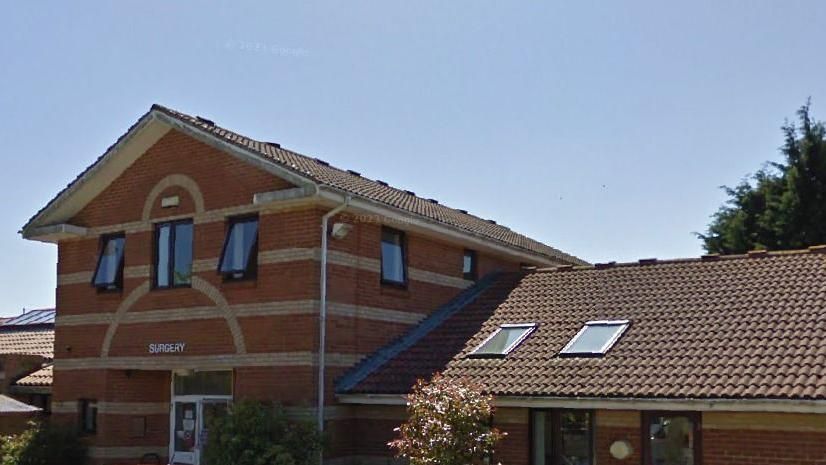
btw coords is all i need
(530, 328)
(623, 324)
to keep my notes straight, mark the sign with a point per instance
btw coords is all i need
(167, 348)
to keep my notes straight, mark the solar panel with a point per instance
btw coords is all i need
(32, 317)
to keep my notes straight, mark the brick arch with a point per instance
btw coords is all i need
(180, 180)
(198, 284)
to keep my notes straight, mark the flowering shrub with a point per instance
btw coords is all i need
(448, 424)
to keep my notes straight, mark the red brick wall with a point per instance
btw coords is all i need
(226, 182)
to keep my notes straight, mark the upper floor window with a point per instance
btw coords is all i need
(109, 272)
(393, 257)
(173, 254)
(239, 258)
(469, 265)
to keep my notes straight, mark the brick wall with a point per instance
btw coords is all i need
(274, 315)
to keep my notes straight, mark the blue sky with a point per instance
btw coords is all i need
(601, 128)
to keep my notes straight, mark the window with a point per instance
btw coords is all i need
(173, 265)
(504, 340)
(239, 259)
(88, 410)
(562, 437)
(213, 383)
(109, 272)
(393, 266)
(671, 438)
(469, 265)
(596, 338)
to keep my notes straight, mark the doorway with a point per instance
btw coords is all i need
(197, 397)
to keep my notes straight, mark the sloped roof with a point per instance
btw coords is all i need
(352, 182)
(30, 341)
(9, 405)
(32, 317)
(40, 378)
(748, 326)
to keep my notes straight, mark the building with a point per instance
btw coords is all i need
(190, 269)
(26, 352)
(197, 266)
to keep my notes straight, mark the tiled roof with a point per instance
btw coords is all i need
(750, 326)
(27, 341)
(41, 377)
(352, 182)
(32, 317)
(9, 405)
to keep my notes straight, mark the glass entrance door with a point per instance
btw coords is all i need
(184, 432)
(197, 398)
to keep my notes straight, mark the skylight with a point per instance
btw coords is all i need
(504, 340)
(596, 337)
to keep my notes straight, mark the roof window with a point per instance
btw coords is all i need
(504, 340)
(596, 338)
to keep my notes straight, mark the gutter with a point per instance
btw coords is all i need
(622, 403)
(322, 314)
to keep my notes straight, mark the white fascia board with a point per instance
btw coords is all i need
(408, 221)
(54, 233)
(595, 403)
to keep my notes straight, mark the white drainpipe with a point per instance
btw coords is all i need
(322, 314)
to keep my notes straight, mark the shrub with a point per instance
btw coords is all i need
(253, 433)
(448, 424)
(43, 444)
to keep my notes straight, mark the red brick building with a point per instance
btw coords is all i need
(197, 266)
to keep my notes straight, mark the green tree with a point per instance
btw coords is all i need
(448, 424)
(783, 205)
(254, 433)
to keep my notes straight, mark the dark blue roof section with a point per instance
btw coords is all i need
(367, 366)
(44, 316)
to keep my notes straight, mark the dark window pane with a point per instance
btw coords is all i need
(562, 437)
(672, 440)
(392, 257)
(110, 262)
(214, 383)
(162, 266)
(542, 439)
(88, 416)
(575, 436)
(239, 246)
(183, 254)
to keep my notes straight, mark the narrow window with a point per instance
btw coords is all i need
(469, 265)
(596, 338)
(562, 437)
(239, 258)
(109, 272)
(88, 410)
(173, 265)
(393, 266)
(672, 438)
(504, 340)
